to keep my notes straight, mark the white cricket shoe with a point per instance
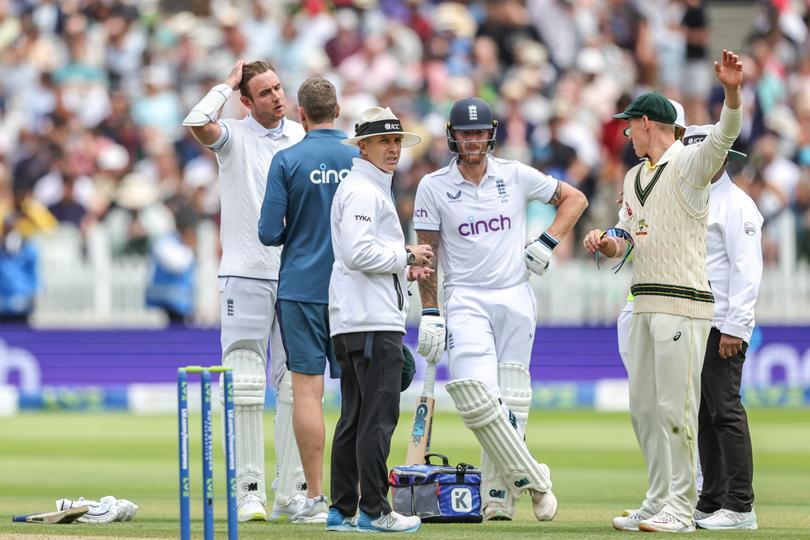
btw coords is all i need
(664, 521)
(629, 522)
(250, 508)
(313, 511)
(699, 516)
(391, 522)
(282, 509)
(497, 512)
(728, 519)
(544, 503)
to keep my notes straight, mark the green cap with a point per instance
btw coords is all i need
(652, 105)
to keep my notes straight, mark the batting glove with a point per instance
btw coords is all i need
(537, 254)
(432, 335)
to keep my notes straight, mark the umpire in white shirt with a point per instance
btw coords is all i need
(368, 304)
(734, 267)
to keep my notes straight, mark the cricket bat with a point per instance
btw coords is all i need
(419, 439)
(63, 516)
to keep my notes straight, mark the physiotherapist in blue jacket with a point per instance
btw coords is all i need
(301, 183)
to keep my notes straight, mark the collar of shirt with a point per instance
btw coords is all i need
(372, 171)
(722, 182)
(326, 134)
(458, 178)
(274, 134)
(671, 152)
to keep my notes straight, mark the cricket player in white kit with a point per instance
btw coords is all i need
(248, 279)
(472, 213)
(666, 207)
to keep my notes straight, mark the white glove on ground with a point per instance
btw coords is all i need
(432, 336)
(107, 510)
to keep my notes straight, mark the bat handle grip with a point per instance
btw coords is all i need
(430, 380)
(19, 518)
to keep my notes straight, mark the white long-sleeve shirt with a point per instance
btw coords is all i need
(244, 153)
(733, 257)
(368, 286)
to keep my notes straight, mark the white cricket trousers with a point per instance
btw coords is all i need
(248, 319)
(664, 361)
(488, 326)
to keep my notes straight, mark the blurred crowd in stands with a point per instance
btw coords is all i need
(92, 93)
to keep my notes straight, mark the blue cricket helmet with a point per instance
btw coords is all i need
(470, 114)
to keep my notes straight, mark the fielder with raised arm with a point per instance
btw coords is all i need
(473, 214)
(248, 279)
(665, 213)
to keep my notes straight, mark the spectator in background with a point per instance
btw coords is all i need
(20, 217)
(171, 287)
(138, 216)
(697, 79)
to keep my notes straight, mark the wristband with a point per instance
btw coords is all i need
(431, 311)
(547, 240)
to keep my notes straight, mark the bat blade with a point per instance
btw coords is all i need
(419, 438)
(61, 517)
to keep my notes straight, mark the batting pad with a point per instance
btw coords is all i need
(516, 391)
(249, 382)
(289, 472)
(482, 413)
(515, 383)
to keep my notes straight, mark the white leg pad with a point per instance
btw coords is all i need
(290, 479)
(482, 413)
(515, 383)
(249, 383)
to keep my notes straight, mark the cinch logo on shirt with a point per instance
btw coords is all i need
(322, 175)
(473, 228)
(420, 213)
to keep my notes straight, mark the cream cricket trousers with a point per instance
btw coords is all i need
(664, 361)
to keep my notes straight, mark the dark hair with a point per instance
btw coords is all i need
(251, 70)
(318, 98)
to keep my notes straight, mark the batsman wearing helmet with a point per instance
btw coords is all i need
(472, 212)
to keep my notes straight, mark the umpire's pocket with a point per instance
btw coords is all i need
(388, 351)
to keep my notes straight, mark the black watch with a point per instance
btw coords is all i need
(411, 257)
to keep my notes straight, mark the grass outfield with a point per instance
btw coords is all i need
(596, 467)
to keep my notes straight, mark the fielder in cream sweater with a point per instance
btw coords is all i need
(666, 207)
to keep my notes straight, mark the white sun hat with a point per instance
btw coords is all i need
(680, 115)
(379, 121)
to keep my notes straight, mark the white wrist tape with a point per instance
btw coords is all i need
(207, 110)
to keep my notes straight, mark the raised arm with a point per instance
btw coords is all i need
(202, 120)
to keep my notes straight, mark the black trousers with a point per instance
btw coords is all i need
(724, 441)
(371, 371)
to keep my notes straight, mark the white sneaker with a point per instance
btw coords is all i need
(314, 511)
(701, 515)
(630, 521)
(664, 521)
(729, 519)
(250, 508)
(289, 508)
(391, 522)
(544, 503)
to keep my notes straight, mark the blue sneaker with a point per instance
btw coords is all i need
(391, 522)
(336, 521)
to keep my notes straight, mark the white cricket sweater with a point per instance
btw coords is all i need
(666, 210)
